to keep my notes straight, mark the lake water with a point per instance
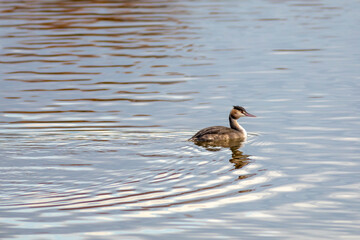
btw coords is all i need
(98, 99)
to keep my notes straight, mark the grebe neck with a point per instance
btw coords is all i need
(236, 126)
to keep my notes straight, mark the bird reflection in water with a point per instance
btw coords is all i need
(237, 157)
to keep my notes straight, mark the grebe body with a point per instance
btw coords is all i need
(220, 133)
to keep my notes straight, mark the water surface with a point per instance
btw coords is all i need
(99, 97)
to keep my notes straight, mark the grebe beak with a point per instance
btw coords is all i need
(249, 115)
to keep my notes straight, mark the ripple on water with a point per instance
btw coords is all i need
(170, 180)
(98, 99)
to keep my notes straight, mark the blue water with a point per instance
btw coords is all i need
(99, 97)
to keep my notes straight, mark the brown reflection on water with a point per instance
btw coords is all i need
(47, 55)
(53, 73)
(65, 89)
(119, 29)
(144, 82)
(237, 157)
(120, 99)
(45, 112)
(133, 92)
(233, 145)
(47, 125)
(240, 160)
(117, 47)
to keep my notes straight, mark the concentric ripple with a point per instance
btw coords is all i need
(141, 179)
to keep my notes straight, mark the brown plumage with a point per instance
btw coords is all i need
(220, 133)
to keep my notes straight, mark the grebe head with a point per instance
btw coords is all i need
(238, 112)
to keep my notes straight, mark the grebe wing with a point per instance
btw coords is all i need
(211, 130)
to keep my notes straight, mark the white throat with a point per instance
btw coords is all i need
(235, 125)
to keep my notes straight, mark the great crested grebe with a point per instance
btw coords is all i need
(220, 133)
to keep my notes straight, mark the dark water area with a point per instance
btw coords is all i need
(98, 99)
